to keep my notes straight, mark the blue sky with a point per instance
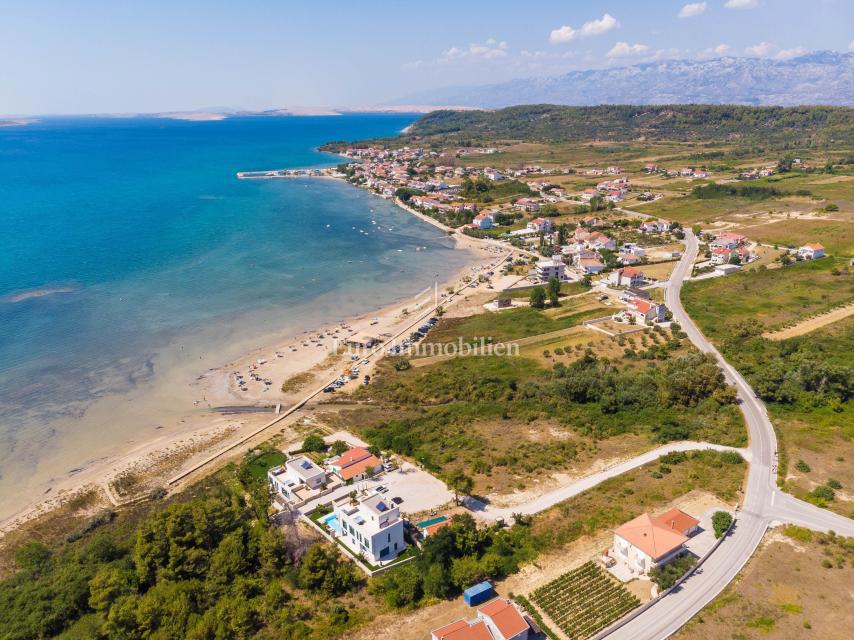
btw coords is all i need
(107, 56)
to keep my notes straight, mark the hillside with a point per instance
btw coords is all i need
(806, 126)
(825, 77)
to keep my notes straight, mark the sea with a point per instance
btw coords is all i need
(129, 251)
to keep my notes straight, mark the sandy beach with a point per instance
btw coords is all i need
(230, 412)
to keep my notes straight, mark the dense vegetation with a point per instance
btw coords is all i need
(202, 567)
(440, 407)
(553, 123)
(748, 191)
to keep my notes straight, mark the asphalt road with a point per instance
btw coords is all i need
(764, 505)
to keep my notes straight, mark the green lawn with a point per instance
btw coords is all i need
(837, 236)
(775, 297)
(506, 325)
(262, 463)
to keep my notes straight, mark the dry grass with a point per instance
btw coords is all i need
(784, 593)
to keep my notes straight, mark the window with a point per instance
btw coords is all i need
(384, 552)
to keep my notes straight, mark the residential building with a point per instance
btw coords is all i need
(655, 226)
(728, 240)
(551, 268)
(811, 251)
(482, 221)
(628, 258)
(591, 266)
(626, 277)
(538, 225)
(527, 204)
(648, 542)
(643, 311)
(499, 619)
(371, 526)
(299, 471)
(493, 175)
(355, 464)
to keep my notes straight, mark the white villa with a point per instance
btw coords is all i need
(627, 276)
(651, 541)
(551, 268)
(499, 619)
(811, 251)
(298, 473)
(371, 526)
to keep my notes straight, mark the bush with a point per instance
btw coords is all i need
(313, 442)
(834, 484)
(802, 466)
(721, 520)
(667, 575)
(823, 492)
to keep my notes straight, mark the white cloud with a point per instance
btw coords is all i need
(489, 50)
(692, 9)
(741, 4)
(411, 66)
(721, 49)
(626, 50)
(762, 49)
(591, 28)
(851, 46)
(794, 52)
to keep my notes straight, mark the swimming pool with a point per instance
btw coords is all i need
(331, 521)
(432, 521)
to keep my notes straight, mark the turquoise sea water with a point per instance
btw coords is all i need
(124, 239)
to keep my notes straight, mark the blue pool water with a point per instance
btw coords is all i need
(331, 521)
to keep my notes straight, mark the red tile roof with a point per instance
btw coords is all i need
(677, 520)
(650, 536)
(352, 470)
(461, 630)
(505, 617)
(352, 456)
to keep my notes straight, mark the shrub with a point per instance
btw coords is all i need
(802, 466)
(721, 520)
(313, 442)
(823, 492)
(834, 484)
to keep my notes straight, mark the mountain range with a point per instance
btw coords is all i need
(823, 77)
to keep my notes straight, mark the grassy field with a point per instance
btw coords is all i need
(774, 297)
(837, 236)
(805, 380)
(796, 586)
(566, 289)
(512, 324)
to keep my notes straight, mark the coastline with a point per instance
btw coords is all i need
(226, 415)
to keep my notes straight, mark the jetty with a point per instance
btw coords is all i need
(289, 173)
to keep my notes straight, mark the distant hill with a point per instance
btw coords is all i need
(825, 77)
(749, 128)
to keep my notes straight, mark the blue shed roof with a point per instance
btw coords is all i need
(478, 589)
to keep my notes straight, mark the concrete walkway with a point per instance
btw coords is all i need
(487, 512)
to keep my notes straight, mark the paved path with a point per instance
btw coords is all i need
(764, 505)
(489, 512)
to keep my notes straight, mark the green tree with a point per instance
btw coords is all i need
(460, 484)
(538, 298)
(339, 447)
(313, 442)
(721, 520)
(32, 556)
(109, 584)
(554, 291)
(323, 571)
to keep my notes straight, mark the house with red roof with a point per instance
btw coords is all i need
(649, 541)
(642, 311)
(499, 619)
(540, 225)
(627, 277)
(811, 251)
(356, 464)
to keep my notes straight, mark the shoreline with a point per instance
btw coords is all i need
(210, 432)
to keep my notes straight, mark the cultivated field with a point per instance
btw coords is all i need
(584, 601)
